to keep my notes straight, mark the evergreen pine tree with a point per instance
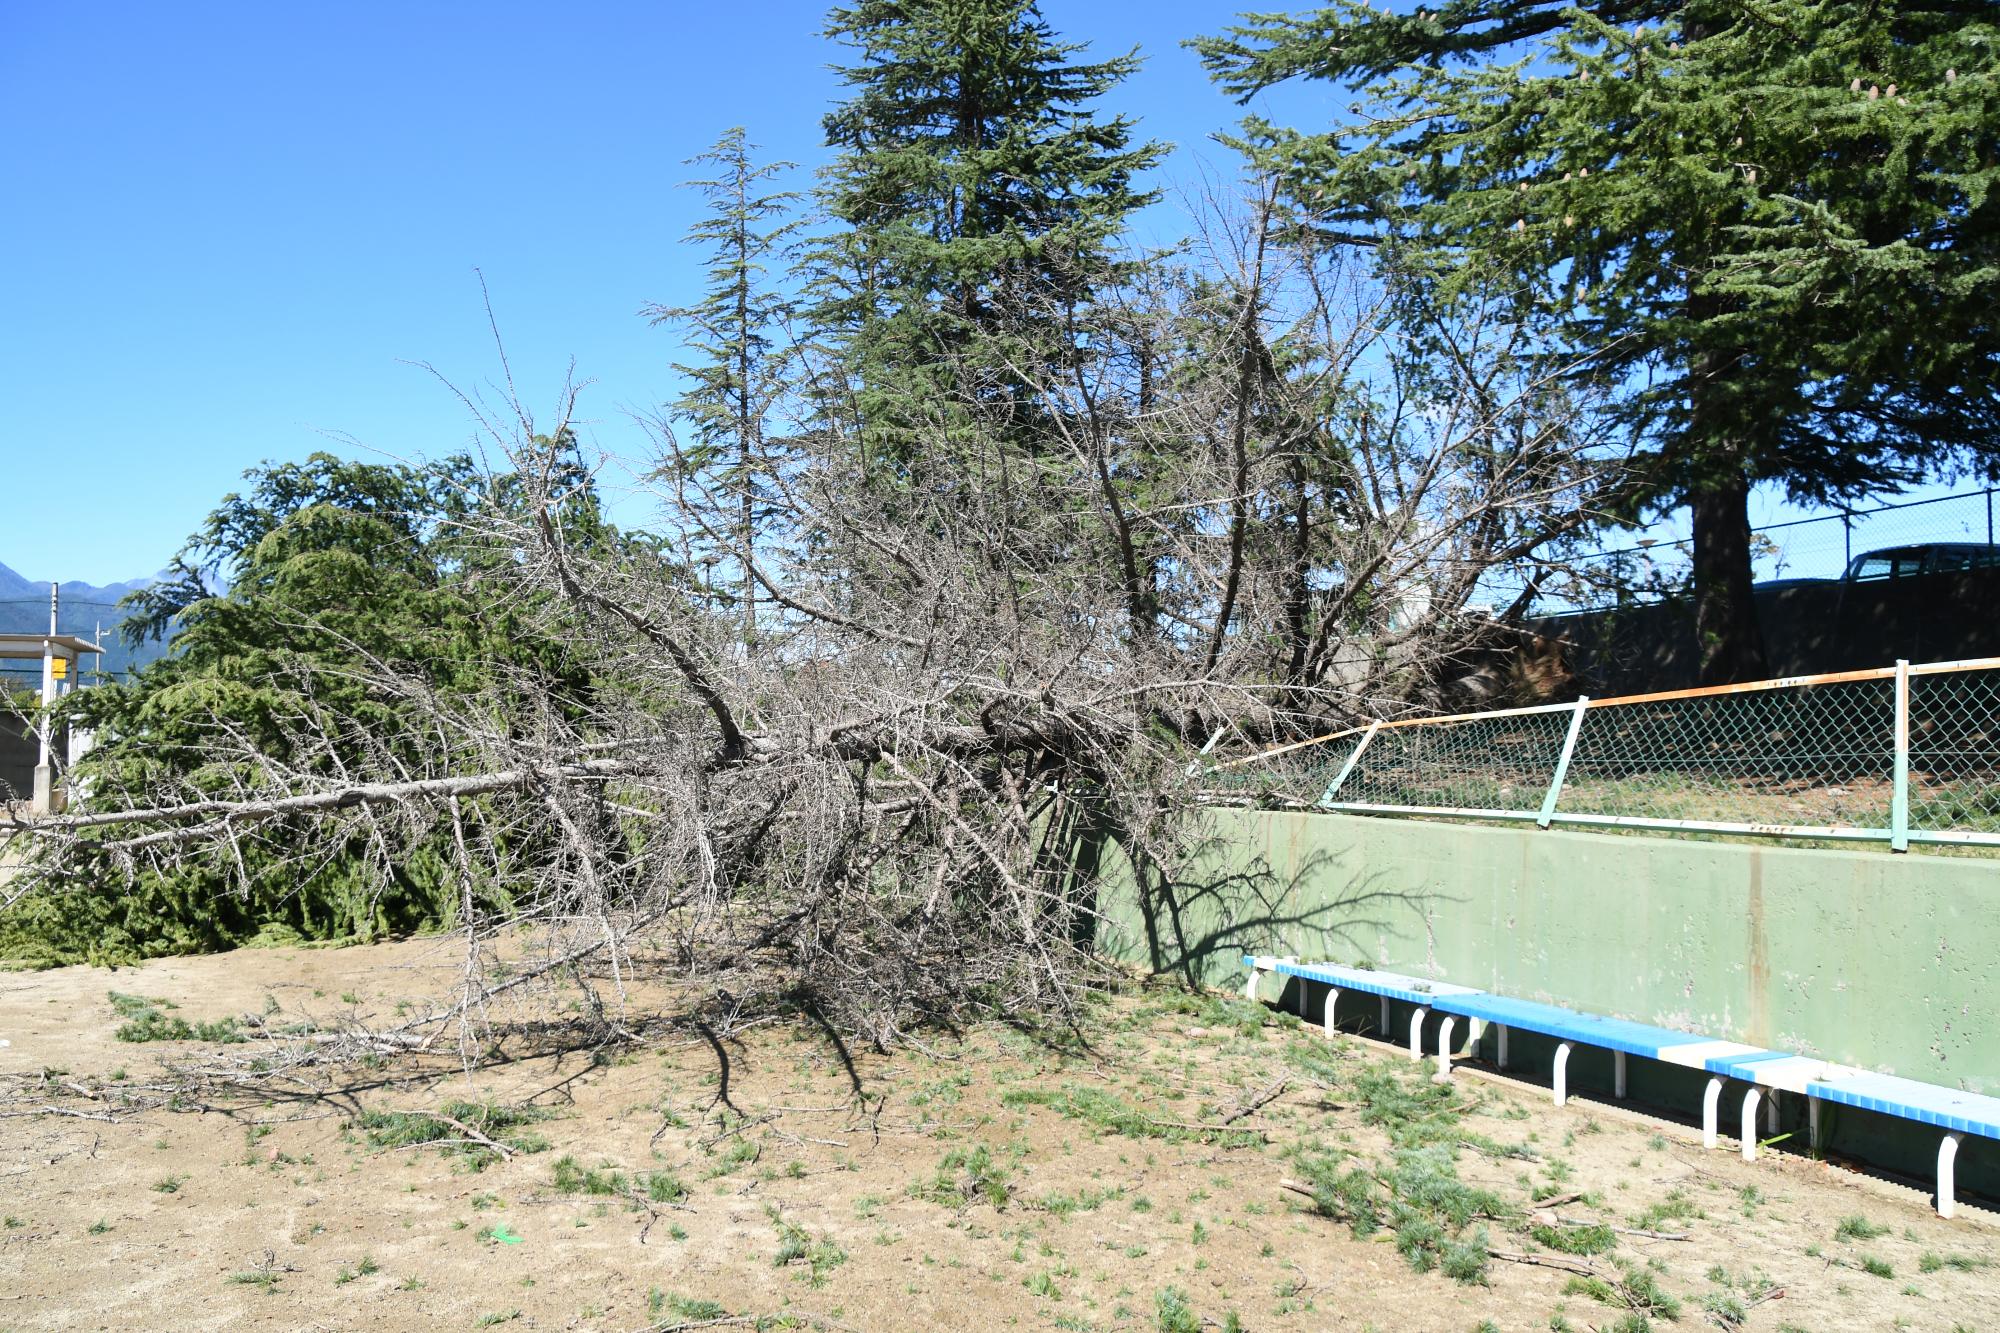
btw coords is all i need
(981, 198)
(739, 372)
(1774, 226)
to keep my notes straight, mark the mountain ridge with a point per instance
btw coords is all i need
(81, 609)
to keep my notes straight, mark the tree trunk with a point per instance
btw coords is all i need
(1728, 637)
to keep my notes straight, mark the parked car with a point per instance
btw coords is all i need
(1903, 562)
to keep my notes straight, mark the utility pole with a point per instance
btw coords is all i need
(44, 775)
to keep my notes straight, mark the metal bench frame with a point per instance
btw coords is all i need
(1765, 1073)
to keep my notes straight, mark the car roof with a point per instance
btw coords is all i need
(1928, 546)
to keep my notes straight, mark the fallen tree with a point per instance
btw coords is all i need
(1254, 502)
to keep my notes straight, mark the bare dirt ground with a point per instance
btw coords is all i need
(779, 1179)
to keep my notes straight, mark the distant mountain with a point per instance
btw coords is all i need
(82, 608)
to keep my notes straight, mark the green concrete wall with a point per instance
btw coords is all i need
(1867, 958)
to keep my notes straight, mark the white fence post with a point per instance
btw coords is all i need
(1562, 763)
(1899, 796)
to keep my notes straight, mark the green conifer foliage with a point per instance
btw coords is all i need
(311, 615)
(1774, 225)
(982, 199)
(738, 368)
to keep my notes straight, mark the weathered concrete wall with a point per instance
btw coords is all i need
(1868, 958)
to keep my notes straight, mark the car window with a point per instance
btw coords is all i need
(1910, 561)
(1947, 559)
(1873, 567)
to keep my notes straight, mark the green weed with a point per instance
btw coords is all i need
(1172, 1313)
(966, 1174)
(571, 1177)
(1593, 1239)
(149, 1020)
(1856, 1227)
(796, 1244)
(502, 1124)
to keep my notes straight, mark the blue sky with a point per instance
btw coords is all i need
(230, 227)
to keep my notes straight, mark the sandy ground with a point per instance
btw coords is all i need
(280, 1212)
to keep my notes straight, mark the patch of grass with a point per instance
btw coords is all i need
(1676, 1207)
(1724, 1309)
(1635, 1289)
(264, 1276)
(1931, 1262)
(797, 1245)
(502, 1124)
(1113, 1115)
(966, 1174)
(147, 1019)
(570, 1176)
(1043, 1285)
(663, 1187)
(741, 1153)
(497, 1317)
(1419, 1197)
(1856, 1227)
(1593, 1239)
(1412, 1110)
(99, 1227)
(1876, 1267)
(169, 1184)
(1172, 1313)
(1083, 1201)
(688, 1308)
(366, 1267)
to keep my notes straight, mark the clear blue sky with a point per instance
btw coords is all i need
(229, 227)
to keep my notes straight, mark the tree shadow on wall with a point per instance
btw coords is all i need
(1199, 922)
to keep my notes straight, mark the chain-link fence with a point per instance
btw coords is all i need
(1899, 755)
(1821, 547)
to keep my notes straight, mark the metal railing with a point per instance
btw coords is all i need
(1899, 755)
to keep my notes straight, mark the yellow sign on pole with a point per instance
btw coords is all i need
(61, 665)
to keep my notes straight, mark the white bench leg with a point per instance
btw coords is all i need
(1562, 1073)
(1618, 1075)
(1443, 1074)
(1947, 1175)
(1250, 985)
(1812, 1123)
(1417, 1033)
(1332, 999)
(1771, 1112)
(1711, 1106)
(1382, 1028)
(1503, 1045)
(1751, 1097)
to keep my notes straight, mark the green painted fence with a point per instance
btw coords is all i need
(1888, 962)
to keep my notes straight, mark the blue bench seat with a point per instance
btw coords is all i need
(1765, 1072)
(1386, 986)
(1925, 1103)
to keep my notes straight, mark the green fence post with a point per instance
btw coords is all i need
(1348, 767)
(1899, 796)
(1562, 763)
